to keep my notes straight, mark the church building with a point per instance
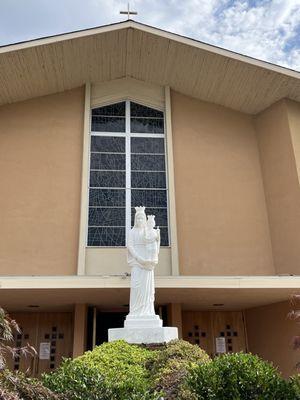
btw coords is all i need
(96, 122)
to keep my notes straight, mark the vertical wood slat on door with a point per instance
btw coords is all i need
(56, 329)
(37, 328)
(230, 325)
(197, 329)
(227, 324)
(28, 335)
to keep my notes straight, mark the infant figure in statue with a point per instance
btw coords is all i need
(152, 240)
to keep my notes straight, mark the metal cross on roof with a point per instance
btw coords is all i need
(128, 12)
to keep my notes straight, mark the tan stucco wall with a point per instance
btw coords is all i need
(281, 183)
(293, 108)
(40, 175)
(270, 335)
(220, 204)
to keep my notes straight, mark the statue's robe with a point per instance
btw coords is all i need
(142, 280)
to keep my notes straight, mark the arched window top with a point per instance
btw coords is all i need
(139, 118)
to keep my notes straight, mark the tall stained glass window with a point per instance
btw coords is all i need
(127, 169)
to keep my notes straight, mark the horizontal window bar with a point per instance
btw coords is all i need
(110, 170)
(144, 170)
(139, 117)
(108, 116)
(110, 207)
(158, 208)
(123, 134)
(125, 188)
(106, 226)
(107, 152)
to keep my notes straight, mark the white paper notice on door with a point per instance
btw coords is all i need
(44, 353)
(220, 345)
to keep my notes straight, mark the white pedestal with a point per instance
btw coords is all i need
(146, 329)
(143, 335)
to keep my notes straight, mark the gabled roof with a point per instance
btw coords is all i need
(62, 62)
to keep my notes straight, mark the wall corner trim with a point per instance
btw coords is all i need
(84, 182)
(171, 179)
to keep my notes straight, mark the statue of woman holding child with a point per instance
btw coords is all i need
(143, 249)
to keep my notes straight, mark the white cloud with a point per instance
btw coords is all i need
(264, 29)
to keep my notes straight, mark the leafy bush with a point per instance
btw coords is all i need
(16, 386)
(294, 382)
(111, 371)
(240, 377)
(172, 365)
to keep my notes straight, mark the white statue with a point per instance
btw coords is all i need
(143, 248)
(142, 325)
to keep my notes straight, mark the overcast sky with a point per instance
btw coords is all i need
(264, 29)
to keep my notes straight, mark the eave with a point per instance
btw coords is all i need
(130, 49)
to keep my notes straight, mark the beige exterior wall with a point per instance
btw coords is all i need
(278, 144)
(270, 335)
(220, 204)
(40, 175)
(294, 124)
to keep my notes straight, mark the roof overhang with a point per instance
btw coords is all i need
(130, 49)
(193, 292)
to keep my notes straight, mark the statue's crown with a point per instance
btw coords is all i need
(139, 209)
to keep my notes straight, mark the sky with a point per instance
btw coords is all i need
(265, 29)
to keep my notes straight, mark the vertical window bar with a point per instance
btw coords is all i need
(128, 169)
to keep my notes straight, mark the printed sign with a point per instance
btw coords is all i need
(220, 345)
(44, 353)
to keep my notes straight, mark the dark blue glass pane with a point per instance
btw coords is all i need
(147, 145)
(146, 162)
(108, 144)
(108, 161)
(149, 198)
(146, 125)
(106, 236)
(116, 110)
(106, 216)
(107, 197)
(148, 180)
(137, 110)
(107, 179)
(108, 124)
(164, 237)
(161, 215)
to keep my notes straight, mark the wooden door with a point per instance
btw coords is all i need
(55, 335)
(27, 323)
(229, 325)
(51, 334)
(196, 329)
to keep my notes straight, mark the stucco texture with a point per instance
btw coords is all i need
(270, 335)
(40, 174)
(277, 133)
(220, 203)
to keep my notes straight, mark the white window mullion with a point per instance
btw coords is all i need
(128, 169)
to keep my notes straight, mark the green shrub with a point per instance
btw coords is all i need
(111, 371)
(171, 366)
(294, 382)
(240, 377)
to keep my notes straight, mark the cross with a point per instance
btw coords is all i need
(128, 12)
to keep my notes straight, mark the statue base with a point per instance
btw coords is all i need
(143, 335)
(145, 321)
(145, 329)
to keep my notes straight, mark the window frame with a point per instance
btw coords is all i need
(127, 134)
